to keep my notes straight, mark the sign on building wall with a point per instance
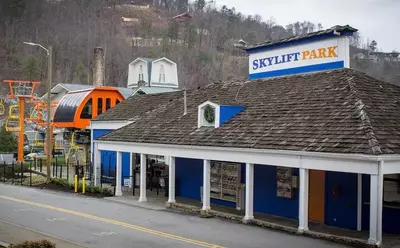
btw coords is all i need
(289, 59)
(284, 187)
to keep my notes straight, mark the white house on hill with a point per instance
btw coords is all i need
(148, 76)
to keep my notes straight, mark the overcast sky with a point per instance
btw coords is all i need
(375, 19)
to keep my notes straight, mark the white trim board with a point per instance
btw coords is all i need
(113, 125)
(352, 163)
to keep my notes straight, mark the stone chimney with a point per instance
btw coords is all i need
(99, 67)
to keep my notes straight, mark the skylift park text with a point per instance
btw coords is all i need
(329, 52)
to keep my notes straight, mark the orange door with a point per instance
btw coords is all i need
(316, 200)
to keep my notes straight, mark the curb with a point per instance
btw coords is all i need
(265, 224)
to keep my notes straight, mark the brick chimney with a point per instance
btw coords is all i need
(99, 67)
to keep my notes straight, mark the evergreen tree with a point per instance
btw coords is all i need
(31, 69)
(8, 142)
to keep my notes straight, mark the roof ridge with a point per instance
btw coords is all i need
(362, 114)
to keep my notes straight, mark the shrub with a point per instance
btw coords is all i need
(60, 181)
(34, 244)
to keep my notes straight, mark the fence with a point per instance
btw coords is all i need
(17, 173)
(34, 172)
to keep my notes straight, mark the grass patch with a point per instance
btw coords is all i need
(34, 244)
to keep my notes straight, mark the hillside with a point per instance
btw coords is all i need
(203, 45)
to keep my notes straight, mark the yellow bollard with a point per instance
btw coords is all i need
(76, 183)
(83, 185)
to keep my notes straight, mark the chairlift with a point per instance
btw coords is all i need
(2, 108)
(13, 111)
(77, 152)
(12, 124)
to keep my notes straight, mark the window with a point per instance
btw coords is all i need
(108, 103)
(99, 106)
(391, 189)
(117, 102)
(161, 76)
(87, 110)
(141, 77)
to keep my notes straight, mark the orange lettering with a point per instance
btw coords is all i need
(322, 53)
(313, 55)
(332, 51)
(305, 54)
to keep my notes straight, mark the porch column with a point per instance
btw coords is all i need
(249, 192)
(143, 174)
(118, 191)
(171, 183)
(206, 184)
(130, 169)
(303, 200)
(359, 202)
(375, 215)
(96, 164)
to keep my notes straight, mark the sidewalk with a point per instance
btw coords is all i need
(320, 231)
(13, 234)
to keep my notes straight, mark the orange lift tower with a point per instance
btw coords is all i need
(23, 90)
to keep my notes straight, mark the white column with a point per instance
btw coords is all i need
(118, 191)
(359, 202)
(376, 201)
(143, 174)
(171, 183)
(96, 164)
(303, 200)
(249, 192)
(206, 185)
(130, 169)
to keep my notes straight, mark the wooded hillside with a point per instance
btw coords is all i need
(203, 46)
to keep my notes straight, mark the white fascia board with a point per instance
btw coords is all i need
(352, 163)
(113, 125)
(391, 167)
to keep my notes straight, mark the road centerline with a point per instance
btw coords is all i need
(114, 222)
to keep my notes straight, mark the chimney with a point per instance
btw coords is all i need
(99, 67)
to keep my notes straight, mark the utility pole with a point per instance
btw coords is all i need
(49, 127)
(49, 133)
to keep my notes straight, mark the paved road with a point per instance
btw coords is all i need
(91, 222)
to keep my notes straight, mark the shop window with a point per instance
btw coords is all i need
(391, 189)
(108, 103)
(87, 110)
(141, 76)
(99, 106)
(161, 76)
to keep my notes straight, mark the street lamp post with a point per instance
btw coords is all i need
(49, 135)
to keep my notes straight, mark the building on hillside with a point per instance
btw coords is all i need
(148, 76)
(306, 138)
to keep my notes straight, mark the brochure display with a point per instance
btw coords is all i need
(225, 181)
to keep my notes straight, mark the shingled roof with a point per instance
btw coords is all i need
(337, 111)
(136, 106)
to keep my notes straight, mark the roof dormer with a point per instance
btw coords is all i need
(214, 115)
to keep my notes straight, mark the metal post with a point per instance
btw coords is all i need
(35, 163)
(56, 167)
(21, 101)
(22, 171)
(133, 180)
(4, 171)
(41, 165)
(49, 129)
(67, 172)
(13, 172)
(101, 175)
(53, 168)
(30, 173)
(61, 169)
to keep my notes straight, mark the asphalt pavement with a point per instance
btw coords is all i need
(91, 222)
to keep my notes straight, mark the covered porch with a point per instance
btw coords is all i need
(307, 164)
